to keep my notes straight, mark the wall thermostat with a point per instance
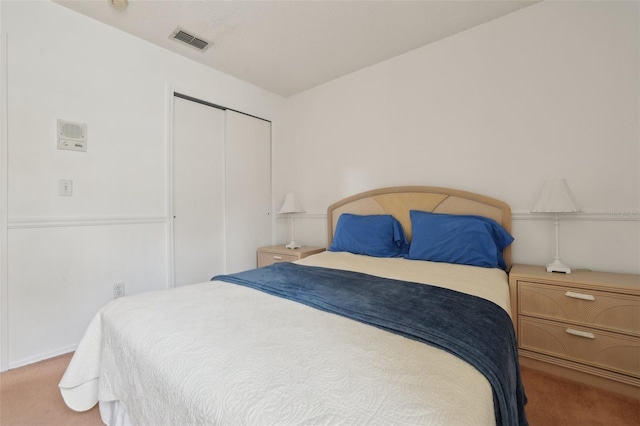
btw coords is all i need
(72, 136)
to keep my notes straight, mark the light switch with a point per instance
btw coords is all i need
(65, 187)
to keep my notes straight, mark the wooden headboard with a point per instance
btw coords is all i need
(398, 201)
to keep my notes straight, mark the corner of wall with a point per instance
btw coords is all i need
(3, 200)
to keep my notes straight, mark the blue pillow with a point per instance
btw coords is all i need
(463, 239)
(374, 235)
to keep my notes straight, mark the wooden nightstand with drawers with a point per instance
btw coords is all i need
(584, 326)
(274, 254)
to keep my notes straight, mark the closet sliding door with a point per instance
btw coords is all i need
(221, 190)
(198, 191)
(248, 189)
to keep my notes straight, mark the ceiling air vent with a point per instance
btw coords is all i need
(193, 41)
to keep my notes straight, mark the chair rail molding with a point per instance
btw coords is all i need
(607, 216)
(57, 222)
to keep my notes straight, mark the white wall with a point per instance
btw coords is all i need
(548, 91)
(65, 253)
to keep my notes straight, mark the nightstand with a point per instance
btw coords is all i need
(584, 326)
(274, 254)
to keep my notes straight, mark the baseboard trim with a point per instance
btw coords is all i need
(42, 357)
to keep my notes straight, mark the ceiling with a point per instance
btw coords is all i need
(287, 47)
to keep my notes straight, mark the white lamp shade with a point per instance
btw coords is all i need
(556, 197)
(291, 204)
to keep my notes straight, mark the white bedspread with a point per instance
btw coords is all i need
(218, 353)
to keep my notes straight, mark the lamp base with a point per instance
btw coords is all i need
(292, 245)
(557, 266)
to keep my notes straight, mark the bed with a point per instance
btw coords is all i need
(287, 344)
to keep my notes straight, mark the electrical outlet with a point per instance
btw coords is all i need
(118, 290)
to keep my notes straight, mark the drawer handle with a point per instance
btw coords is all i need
(579, 296)
(277, 257)
(580, 333)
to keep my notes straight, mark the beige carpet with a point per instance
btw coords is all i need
(554, 401)
(30, 396)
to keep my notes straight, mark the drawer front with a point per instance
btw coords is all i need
(616, 312)
(601, 349)
(266, 259)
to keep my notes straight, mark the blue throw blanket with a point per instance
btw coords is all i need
(472, 328)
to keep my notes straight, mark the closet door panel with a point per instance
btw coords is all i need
(198, 191)
(248, 189)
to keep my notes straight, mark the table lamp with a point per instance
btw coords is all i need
(291, 206)
(556, 198)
